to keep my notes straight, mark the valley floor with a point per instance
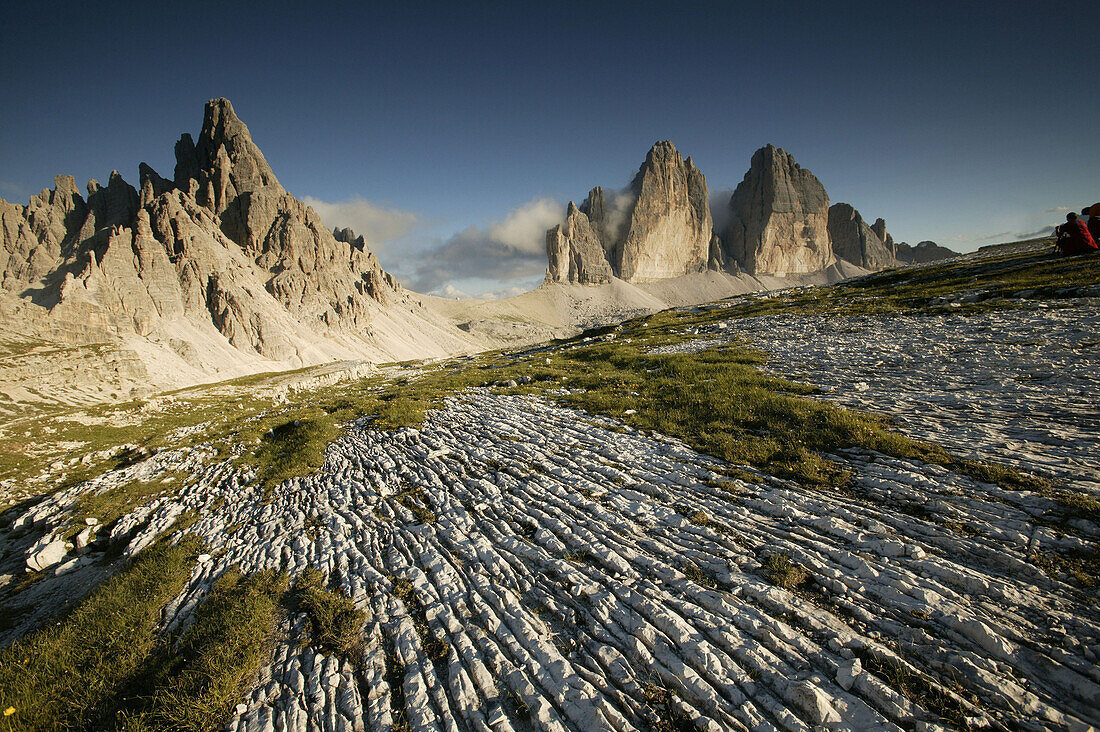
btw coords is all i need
(521, 564)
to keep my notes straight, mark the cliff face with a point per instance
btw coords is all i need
(665, 231)
(853, 240)
(779, 217)
(670, 226)
(222, 248)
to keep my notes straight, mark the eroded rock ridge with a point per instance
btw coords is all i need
(220, 251)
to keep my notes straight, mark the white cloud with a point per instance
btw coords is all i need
(377, 224)
(504, 250)
(451, 292)
(1058, 209)
(525, 228)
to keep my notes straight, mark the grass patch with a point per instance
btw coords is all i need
(934, 697)
(195, 687)
(436, 649)
(293, 449)
(782, 572)
(335, 623)
(113, 503)
(69, 674)
(670, 718)
(415, 500)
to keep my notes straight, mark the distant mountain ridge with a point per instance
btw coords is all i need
(780, 223)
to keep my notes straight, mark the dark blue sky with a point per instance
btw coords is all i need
(965, 123)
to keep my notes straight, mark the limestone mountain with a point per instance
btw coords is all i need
(664, 229)
(853, 240)
(217, 271)
(779, 215)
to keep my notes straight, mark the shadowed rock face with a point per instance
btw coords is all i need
(925, 251)
(779, 217)
(666, 233)
(853, 240)
(223, 243)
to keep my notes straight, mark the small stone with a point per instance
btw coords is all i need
(48, 556)
(240, 709)
(204, 558)
(847, 673)
(91, 521)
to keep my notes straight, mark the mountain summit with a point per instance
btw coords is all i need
(660, 227)
(217, 272)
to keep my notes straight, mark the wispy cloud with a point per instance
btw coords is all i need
(1057, 209)
(1045, 231)
(377, 224)
(508, 249)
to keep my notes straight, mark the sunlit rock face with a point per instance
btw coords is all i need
(779, 217)
(670, 226)
(660, 227)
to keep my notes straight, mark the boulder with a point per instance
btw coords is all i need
(46, 556)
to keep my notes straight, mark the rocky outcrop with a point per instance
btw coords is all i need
(575, 252)
(925, 251)
(879, 227)
(222, 250)
(856, 242)
(670, 226)
(779, 217)
(664, 231)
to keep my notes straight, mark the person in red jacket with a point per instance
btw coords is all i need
(1094, 222)
(1074, 237)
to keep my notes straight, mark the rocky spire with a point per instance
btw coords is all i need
(779, 217)
(670, 225)
(854, 241)
(574, 252)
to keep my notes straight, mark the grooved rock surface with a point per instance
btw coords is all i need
(779, 216)
(853, 240)
(561, 571)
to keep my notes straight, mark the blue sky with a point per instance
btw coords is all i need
(452, 132)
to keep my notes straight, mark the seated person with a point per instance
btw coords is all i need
(1094, 222)
(1074, 237)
